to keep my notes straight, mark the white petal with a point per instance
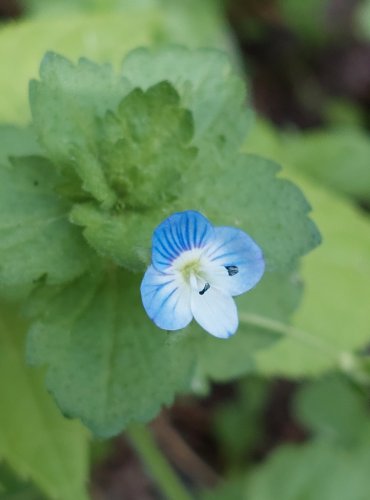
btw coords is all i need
(166, 300)
(233, 247)
(216, 312)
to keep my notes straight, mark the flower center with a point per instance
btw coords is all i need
(190, 265)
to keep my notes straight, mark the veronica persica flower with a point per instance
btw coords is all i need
(195, 272)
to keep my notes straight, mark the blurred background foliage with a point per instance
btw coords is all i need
(297, 427)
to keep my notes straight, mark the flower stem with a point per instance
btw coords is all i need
(290, 331)
(347, 361)
(156, 464)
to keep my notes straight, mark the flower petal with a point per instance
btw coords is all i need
(233, 247)
(180, 232)
(216, 312)
(165, 300)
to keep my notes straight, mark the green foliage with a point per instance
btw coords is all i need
(336, 278)
(190, 22)
(103, 37)
(121, 154)
(277, 296)
(14, 488)
(102, 30)
(239, 424)
(334, 466)
(122, 160)
(335, 410)
(337, 158)
(35, 440)
(232, 488)
(317, 471)
(208, 87)
(37, 241)
(66, 105)
(272, 210)
(108, 363)
(310, 20)
(363, 19)
(146, 151)
(16, 141)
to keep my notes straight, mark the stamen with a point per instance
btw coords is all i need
(232, 270)
(207, 286)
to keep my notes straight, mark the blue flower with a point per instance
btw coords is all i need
(196, 270)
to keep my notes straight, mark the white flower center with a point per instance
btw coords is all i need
(193, 269)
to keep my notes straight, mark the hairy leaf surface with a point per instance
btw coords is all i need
(37, 242)
(107, 363)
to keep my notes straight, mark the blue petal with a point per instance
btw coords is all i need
(166, 303)
(182, 231)
(233, 247)
(216, 312)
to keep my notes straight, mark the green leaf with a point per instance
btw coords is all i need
(103, 30)
(230, 488)
(333, 409)
(139, 156)
(248, 194)
(17, 141)
(35, 440)
(334, 316)
(146, 148)
(337, 158)
(14, 488)
(107, 362)
(316, 471)
(36, 239)
(207, 84)
(362, 18)
(109, 365)
(102, 37)
(124, 238)
(334, 465)
(239, 423)
(65, 105)
(309, 20)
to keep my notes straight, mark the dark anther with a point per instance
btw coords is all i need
(232, 270)
(207, 286)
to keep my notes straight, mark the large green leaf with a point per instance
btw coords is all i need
(35, 440)
(36, 239)
(334, 317)
(107, 363)
(138, 157)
